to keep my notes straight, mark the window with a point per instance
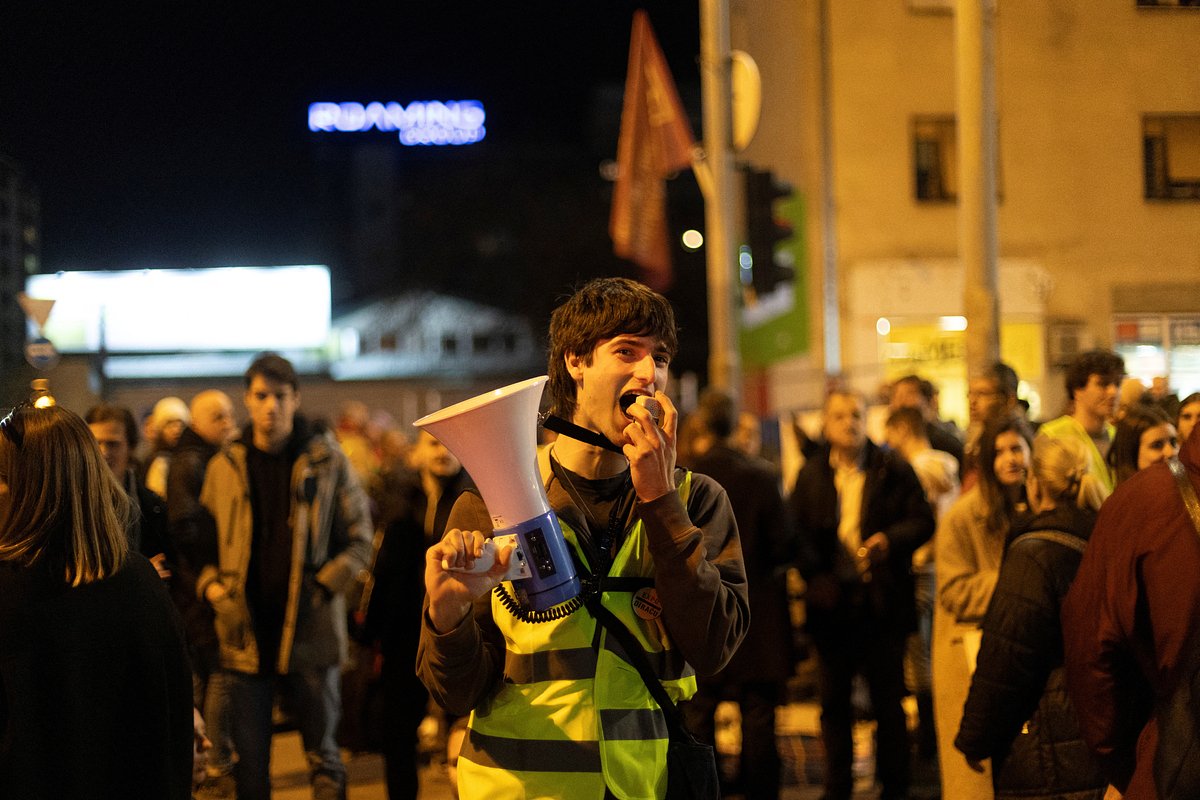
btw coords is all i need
(935, 157)
(1171, 152)
(449, 345)
(1168, 3)
(1156, 345)
(479, 343)
(387, 342)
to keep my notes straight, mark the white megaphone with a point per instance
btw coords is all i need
(494, 435)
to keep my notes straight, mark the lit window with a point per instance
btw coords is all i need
(1171, 152)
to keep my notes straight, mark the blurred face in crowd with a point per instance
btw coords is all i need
(212, 417)
(433, 457)
(272, 406)
(747, 437)
(1156, 444)
(906, 394)
(1187, 420)
(114, 446)
(984, 400)
(1097, 400)
(844, 427)
(171, 430)
(1012, 458)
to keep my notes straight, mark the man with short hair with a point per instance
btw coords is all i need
(938, 473)
(1092, 381)
(860, 513)
(913, 391)
(756, 677)
(117, 435)
(991, 394)
(293, 532)
(557, 708)
(212, 426)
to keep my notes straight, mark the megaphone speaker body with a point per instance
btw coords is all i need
(494, 435)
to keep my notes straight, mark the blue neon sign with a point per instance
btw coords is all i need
(421, 122)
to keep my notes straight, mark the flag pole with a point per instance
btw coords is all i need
(714, 173)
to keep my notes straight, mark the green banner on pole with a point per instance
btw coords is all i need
(775, 327)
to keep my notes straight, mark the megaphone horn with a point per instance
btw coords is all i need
(494, 435)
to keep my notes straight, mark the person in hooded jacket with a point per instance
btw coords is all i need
(1017, 712)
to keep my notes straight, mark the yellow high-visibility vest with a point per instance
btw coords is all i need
(570, 718)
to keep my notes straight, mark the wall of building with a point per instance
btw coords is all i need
(1074, 79)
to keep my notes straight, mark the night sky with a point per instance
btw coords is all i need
(175, 134)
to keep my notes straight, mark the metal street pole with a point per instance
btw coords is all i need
(977, 238)
(717, 182)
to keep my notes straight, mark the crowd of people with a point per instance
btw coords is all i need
(168, 589)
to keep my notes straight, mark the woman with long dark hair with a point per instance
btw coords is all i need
(1145, 436)
(969, 546)
(95, 686)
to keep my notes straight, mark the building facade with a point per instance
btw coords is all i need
(1098, 187)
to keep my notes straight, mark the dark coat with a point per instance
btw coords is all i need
(1018, 713)
(193, 534)
(893, 503)
(95, 688)
(768, 548)
(1128, 616)
(394, 612)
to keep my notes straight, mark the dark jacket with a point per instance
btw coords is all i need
(394, 612)
(95, 688)
(1128, 616)
(768, 547)
(893, 503)
(194, 537)
(1018, 713)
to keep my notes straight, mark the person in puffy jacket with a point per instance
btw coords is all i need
(1017, 712)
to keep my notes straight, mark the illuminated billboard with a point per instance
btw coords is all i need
(419, 123)
(187, 310)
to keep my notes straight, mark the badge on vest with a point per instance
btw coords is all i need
(645, 603)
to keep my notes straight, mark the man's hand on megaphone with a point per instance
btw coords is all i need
(450, 581)
(651, 449)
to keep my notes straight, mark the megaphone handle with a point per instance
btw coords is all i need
(484, 562)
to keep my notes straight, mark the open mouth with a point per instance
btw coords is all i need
(648, 403)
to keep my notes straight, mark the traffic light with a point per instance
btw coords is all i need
(766, 227)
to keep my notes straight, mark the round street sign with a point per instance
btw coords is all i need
(40, 354)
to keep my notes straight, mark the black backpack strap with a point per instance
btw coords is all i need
(1058, 537)
(637, 658)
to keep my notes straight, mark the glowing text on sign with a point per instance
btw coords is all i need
(419, 123)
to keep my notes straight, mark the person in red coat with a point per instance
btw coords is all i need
(1127, 617)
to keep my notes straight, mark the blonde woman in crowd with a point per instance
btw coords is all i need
(1018, 713)
(95, 686)
(969, 546)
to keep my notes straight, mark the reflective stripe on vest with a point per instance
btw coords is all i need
(569, 719)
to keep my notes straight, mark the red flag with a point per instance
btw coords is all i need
(655, 141)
